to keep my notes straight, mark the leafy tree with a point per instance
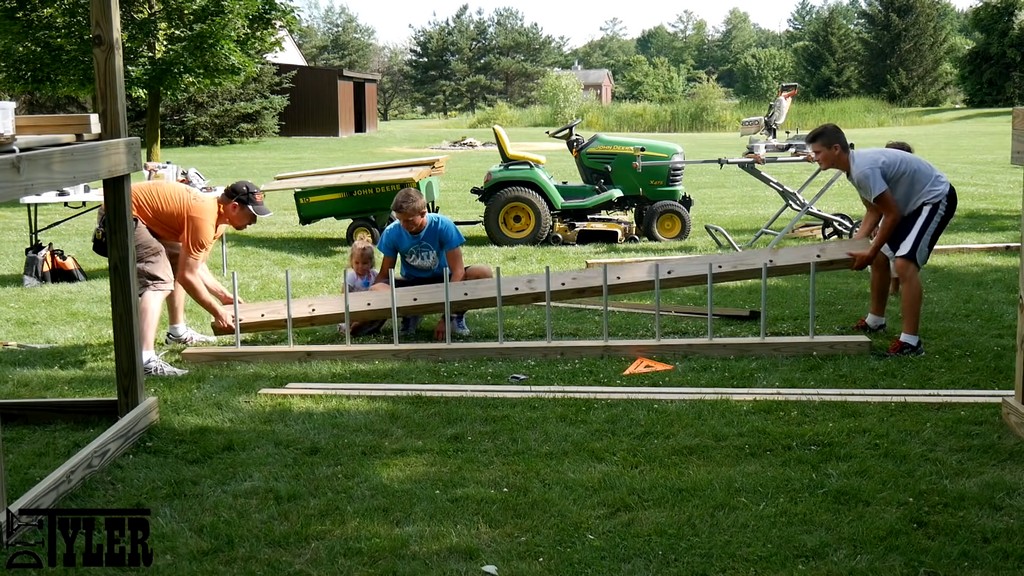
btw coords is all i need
(610, 52)
(446, 65)
(760, 71)
(798, 20)
(333, 36)
(905, 45)
(694, 39)
(391, 63)
(170, 48)
(736, 37)
(991, 71)
(827, 60)
(658, 41)
(562, 92)
(655, 81)
(243, 110)
(614, 28)
(517, 55)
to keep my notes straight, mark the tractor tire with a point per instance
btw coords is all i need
(362, 229)
(667, 220)
(517, 216)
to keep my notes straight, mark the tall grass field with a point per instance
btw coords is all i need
(239, 483)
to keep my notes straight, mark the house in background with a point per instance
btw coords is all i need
(324, 101)
(598, 82)
(289, 52)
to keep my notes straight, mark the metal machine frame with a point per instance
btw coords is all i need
(833, 225)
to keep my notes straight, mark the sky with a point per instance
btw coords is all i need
(579, 21)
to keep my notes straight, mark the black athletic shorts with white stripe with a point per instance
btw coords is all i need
(916, 233)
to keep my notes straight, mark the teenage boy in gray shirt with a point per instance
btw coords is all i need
(909, 203)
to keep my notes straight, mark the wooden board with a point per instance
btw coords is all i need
(1017, 138)
(391, 175)
(89, 460)
(436, 163)
(1013, 415)
(57, 408)
(964, 248)
(771, 346)
(641, 393)
(666, 309)
(55, 168)
(947, 249)
(57, 124)
(517, 290)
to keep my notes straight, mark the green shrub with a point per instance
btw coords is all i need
(501, 113)
(243, 111)
(562, 93)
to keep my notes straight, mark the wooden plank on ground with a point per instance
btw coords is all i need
(771, 346)
(39, 124)
(57, 408)
(391, 175)
(89, 460)
(436, 163)
(966, 248)
(666, 309)
(49, 169)
(951, 248)
(571, 285)
(642, 393)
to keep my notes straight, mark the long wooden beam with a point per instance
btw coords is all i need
(54, 168)
(942, 249)
(641, 393)
(58, 408)
(89, 460)
(666, 309)
(772, 346)
(436, 163)
(516, 290)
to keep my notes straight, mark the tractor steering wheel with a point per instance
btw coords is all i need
(565, 132)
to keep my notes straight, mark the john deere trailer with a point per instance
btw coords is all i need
(361, 193)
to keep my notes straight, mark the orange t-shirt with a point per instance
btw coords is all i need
(175, 212)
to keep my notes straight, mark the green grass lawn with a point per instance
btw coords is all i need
(239, 483)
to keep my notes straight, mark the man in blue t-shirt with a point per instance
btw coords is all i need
(909, 203)
(427, 244)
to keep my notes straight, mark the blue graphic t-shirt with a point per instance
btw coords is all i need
(422, 255)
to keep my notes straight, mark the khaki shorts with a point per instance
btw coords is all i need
(155, 261)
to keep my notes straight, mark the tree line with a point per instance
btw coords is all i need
(195, 70)
(905, 52)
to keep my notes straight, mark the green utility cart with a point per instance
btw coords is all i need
(361, 193)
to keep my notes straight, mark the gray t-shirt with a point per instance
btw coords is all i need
(911, 179)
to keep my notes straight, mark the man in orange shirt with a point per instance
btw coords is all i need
(175, 229)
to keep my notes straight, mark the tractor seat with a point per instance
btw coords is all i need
(508, 155)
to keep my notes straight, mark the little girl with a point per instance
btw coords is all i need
(359, 278)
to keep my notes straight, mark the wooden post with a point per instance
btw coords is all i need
(3, 479)
(1013, 409)
(117, 194)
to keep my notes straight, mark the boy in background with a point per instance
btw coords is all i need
(426, 244)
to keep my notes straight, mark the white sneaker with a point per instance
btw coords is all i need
(189, 338)
(158, 367)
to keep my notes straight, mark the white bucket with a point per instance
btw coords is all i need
(6, 122)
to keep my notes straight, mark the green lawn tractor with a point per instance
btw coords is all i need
(525, 205)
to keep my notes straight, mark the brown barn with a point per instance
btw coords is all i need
(329, 102)
(598, 82)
